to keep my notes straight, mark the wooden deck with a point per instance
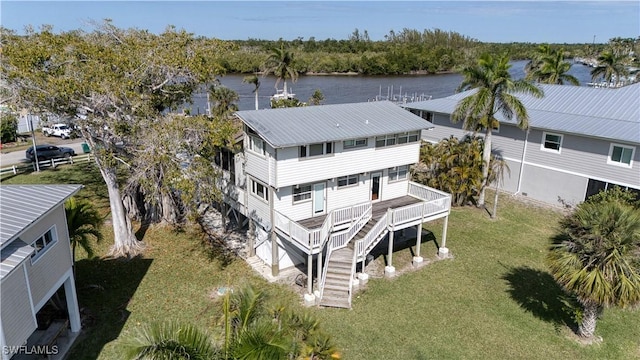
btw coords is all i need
(379, 208)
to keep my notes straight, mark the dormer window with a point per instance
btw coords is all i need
(316, 149)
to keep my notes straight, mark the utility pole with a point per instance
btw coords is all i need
(29, 119)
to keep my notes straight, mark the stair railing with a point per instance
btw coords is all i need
(341, 239)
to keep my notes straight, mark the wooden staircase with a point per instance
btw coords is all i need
(338, 281)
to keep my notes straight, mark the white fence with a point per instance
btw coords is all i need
(52, 163)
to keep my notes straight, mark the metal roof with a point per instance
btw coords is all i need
(13, 255)
(314, 124)
(610, 113)
(23, 205)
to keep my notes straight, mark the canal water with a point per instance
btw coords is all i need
(340, 89)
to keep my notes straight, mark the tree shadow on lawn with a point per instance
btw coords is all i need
(105, 287)
(537, 292)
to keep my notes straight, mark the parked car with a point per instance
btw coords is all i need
(46, 152)
(61, 130)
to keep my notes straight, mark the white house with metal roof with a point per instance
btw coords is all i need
(580, 140)
(36, 261)
(326, 184)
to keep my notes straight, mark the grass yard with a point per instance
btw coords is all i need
(493, 300)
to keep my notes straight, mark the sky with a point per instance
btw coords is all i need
(487, 21)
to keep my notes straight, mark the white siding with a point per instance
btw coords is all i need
(259, 210)
(348, 195)
(335, 198)
(18, 322)
(394, 189)
(53, 264)
(261, 167)
(292, 170)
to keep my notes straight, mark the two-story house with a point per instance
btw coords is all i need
(580, 140)
(326, 184)
(36, 261)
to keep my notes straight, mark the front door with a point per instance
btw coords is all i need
(375, 185)
(318, 198)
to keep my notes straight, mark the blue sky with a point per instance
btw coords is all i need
(487, 21)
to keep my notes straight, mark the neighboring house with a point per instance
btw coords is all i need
(326, 184)
(36, 259)
(581, 140)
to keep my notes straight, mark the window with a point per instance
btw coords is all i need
(423, 114)
(256, 145)
(301, 193)
(551, 142)
(43, 243)
(316, 149)
(354, 143)
(349, 180)
(595, 186)
(398, 173)
(260, 190)
(387, 140)
(621, 155)
(403, 138)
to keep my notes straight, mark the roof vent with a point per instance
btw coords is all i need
(366, 121)
(337, 125)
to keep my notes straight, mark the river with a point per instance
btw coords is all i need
(341, 89)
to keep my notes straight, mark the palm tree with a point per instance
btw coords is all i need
(553, 69)
(495, 88)
(281, 64)
(610, 65)
(596, 257)
(535, 63)
(83, 222)
(253, 79)
(170, 341)
(223, 100)
(250, 331)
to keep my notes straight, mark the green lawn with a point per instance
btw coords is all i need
(493, 300)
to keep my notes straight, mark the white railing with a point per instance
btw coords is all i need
(372, 238)
(296, 232)
(340, 239)
(315, 239)
(407, 213)
(425, 193)
(345, 216)
(52, 163)
(324, 271)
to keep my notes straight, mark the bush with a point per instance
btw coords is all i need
(8, 128)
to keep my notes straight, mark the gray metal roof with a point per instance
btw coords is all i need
(313, 124)
(13, 255)
(23, 205)
(610, 113)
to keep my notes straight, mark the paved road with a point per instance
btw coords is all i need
(17, 157)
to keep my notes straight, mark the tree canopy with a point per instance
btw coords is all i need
(117, 85)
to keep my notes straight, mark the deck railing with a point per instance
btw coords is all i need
(314, 240)
(340, 239)
(425, 193)
(434, 202)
